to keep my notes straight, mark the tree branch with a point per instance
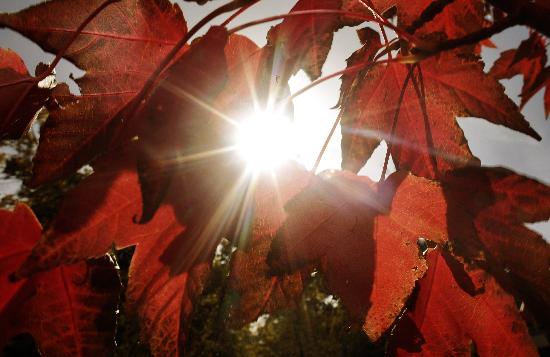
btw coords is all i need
(469, 39)
(527, 12)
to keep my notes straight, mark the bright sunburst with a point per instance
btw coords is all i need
(265, 140)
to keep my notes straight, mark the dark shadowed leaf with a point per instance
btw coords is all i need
(178, 112)
(486, 215)
(19, 231)
(20, 102)
(70, 311)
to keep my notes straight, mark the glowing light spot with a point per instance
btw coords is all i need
(265, 140)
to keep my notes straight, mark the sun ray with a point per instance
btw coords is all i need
(200, 155)
(265, 140)
(185, 94)
(403, 142)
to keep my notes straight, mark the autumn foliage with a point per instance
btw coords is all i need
(434, 258)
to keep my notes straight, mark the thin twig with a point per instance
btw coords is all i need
(469, 39)
(375, 13)
(348, 14)
(394, 124)
(237, 13)
(352, 69)
(327, 140)
(530, 13)
(421, 94)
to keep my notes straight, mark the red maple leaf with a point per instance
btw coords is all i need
(140, 33)
(70, 311)
(487, 209)
(97, 215)
(303, 42)
(370, 40)
(368, 258)
(529, 59)
(458, 18)
(362, 236)
(458, 310)
(20, 101)
(250, 278)
(431, 20)
(417, 115)
(342, 223)
(178, 117)
(100, 214)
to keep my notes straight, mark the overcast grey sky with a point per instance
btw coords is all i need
(494, 145)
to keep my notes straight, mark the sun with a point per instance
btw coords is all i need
(265, 140)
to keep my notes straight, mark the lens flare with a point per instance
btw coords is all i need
(265, 140)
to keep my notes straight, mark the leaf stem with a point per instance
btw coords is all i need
(352, 69)
(421, 95)
(394, 123)
(238, 12)
(375, 13)
(348, 14)
(327, 140)
(468, 39)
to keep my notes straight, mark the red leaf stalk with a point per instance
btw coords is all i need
(238, 13)
(394, 124)
(349, 14)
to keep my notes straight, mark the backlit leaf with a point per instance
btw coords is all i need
(70, 310)
(369, 258)
(431, 142)
(461, 310)
(529, 60)
(119, 49)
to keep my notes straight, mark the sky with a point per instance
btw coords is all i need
(493, 144)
